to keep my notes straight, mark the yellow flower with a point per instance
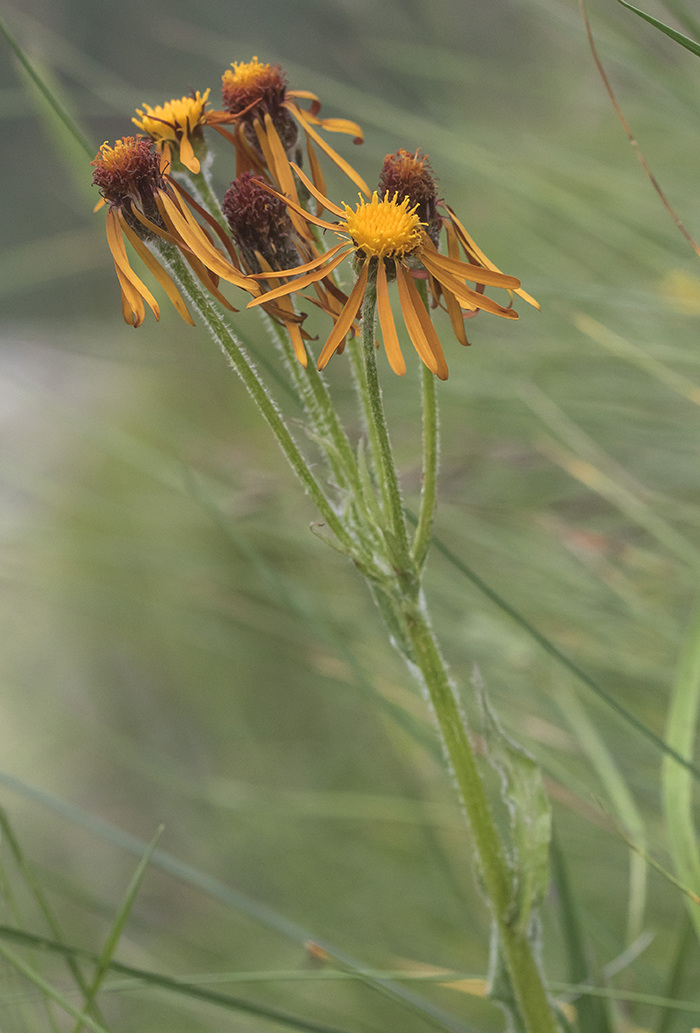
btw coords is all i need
(388, 240)
(178, 122)
(410, 176)
(267, 117)
(144, 203)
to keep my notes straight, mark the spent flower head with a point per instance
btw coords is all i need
(144, 206)
(267, 117)
(410, 176)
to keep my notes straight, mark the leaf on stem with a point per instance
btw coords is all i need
(530, 813)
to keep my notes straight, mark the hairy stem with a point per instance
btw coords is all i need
(525, 975)
(379, 436)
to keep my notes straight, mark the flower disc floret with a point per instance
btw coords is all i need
(251, 81)
(383, 228)
(130, 169)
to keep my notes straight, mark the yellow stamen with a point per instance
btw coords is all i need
(383, 229)
(245, 73)
(176, 121)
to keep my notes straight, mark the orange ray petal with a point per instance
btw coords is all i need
(210, 220)
(297, 285)
(100, 204)
(316, 173)
(187, 156)
(333, 155)
(466, 271)
(209, 280)
(188, 229)
(307, 215)
(116, 246)
(471, 299)
(386, 321)
(278, 164)
(319, 196)
(158, 271)
(277, 273)
(456, 317)
(470, 244)
(414, 324)
(346, 317)
(131, 299)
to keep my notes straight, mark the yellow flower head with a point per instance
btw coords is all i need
(176, 121)
(383, 229)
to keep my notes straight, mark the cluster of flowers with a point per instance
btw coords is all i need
(265, 232)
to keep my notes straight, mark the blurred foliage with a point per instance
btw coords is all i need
(179, 649)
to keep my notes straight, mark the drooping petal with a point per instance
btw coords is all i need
(302, 119)
(187, 155)
(471, 299)
(210, 220)
(280, 273)
(316, 172)
(321, 198)
(158, 271)
(184, 225)
(456, 318)
(297, 208)
(278, 164)
(470, 245)
(131, 300)
(428, 347)
(121, 262)
(297, 285)
(346, 317)
(433, 261)
(386, 321)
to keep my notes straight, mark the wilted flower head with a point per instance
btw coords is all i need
(145, 204)
(267, 117)
(259, 223)
(178, 122)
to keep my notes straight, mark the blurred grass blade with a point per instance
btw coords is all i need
(37, 892)
(151, 979)
(679, 11)
(47, 93)
(677, 788)
(686, 935)
(684, 41)
(227, 895)
(620, 797)
(591, 1012)
(121, 918)
(553, 650)
(295, 602)
(46, 989)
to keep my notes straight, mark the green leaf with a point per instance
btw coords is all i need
(684, 41)
(530, 812)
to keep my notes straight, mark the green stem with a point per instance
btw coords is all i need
(202, 184)
(525, 975)
(379, 434)
(227, 342)
(426, 515)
